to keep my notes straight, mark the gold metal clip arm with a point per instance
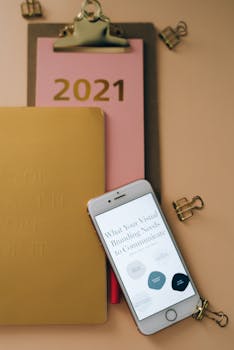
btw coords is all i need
(219, 317)
(202, 311)
(184, 208)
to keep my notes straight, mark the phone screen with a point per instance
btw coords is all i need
(145, 256)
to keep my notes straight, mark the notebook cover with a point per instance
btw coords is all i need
(51, 164)
(147, 165)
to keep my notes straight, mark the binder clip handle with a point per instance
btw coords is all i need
(91, 15)
(184, 208)
(171, 36)
(197, 203)
(220, 318)
(31, 9)
(181, 28)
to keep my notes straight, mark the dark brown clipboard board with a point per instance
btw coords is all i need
(145, 31)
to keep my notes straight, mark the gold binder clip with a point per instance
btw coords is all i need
(171, 37)
(202, 311)
(31, 8)
(90, 32)
(184, 208)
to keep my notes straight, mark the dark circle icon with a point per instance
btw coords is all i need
(180, 282)
(171, 315)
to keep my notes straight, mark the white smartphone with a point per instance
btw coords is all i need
(144, 256)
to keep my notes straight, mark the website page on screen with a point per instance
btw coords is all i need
(145, 256)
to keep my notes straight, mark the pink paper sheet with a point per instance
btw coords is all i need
(113, 82)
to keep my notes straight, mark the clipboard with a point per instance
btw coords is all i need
(145, 32)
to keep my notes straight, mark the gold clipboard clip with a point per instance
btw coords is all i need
(184, 208)
(90, 32)
(202, 311)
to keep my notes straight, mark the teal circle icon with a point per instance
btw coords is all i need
(156, 280)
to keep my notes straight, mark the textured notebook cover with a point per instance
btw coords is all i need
(51, 164)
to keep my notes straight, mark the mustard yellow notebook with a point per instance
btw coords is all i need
(52, 267)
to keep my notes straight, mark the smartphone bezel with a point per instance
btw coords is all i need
(120, 196)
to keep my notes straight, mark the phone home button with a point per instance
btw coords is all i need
(171, 315)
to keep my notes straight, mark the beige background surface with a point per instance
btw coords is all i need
(195, 92)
